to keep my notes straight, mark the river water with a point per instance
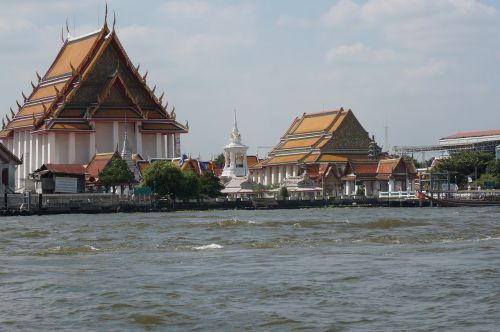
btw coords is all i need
(330, 269)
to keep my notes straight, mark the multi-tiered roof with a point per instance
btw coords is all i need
(331, 136)
(91, 78)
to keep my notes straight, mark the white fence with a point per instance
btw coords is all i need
(397, 195)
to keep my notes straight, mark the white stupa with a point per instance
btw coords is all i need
(235, 155)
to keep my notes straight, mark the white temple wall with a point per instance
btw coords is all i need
(148, 145)
(131, 136)
(82, 147)
(62, 142)
(104, 137)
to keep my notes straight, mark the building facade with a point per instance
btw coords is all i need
(330, 154)
(88, 98)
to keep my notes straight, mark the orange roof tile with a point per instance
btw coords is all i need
(20, 123)
(77, 169)
(332, 157)
(285, 159)
(99, 162)
(47, 91)
(311, 158)
(252, 160)
(33, 109)
(315, 122)
(74, 52)
(298, 143)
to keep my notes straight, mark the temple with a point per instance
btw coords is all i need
(88, 100)
(331, 154)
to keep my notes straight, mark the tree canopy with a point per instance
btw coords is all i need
(210, 185)
(465, 164)
(165, 178)
(115, 173)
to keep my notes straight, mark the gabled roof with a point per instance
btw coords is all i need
(73, 169)
(69, 72)
(99, 162)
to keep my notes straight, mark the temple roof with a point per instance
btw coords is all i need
(73, 68)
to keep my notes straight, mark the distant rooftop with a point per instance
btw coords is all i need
(471, 134)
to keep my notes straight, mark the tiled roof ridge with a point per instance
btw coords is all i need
(479, 133)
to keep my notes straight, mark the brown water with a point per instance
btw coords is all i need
(336, 269)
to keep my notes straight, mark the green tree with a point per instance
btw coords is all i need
(116, 173)
(283, 193)
(165, 178)
(465, 164)
(260, 189)
(493, 168)
(210, 185)
(219, 161)
(190, 186)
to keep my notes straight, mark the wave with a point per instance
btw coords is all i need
(68, 250)
(387, 223)
(208, 246)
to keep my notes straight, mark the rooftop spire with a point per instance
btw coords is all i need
(235, 134)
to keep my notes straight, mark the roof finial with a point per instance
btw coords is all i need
(67, 27)
(38, 76)
(154, 88)
(235, 121)
(138, 66)
(62, 35)
(114, 21)
(3, 123)
(105, 13)
(161, 97)
(24, 96)
(18, 105)
(12, 112)
(7, 117)
(145, 75)
(32, 85)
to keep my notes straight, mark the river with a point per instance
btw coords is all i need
(328, 269)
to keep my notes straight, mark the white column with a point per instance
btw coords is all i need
(33, 152)
(27, 157)
(177, 145)
(138, 138)
(348, 187)
(165, 148)
(267, 176)
(232, 159)
(43, 139)
(273, 175)
(19, 154)
(116, 136)
(294, 170)
(71, 148)
(37, 151)
(170, 149)
(280, 174)
(91, 145)
(391, 185)
(158, 145)
(51, 147)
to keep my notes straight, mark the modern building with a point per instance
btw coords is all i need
(83, 105)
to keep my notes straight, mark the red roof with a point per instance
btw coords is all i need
(99, 162)
(474, 134)
(365, 168)
(65, 168)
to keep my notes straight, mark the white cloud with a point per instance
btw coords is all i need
(359, 52)
(428, 70)
(186, 9)
(344, 11)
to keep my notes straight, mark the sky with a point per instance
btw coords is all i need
(423, 68)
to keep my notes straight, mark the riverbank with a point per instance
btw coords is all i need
(108, 203)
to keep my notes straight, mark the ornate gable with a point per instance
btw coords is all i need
(348, 137)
